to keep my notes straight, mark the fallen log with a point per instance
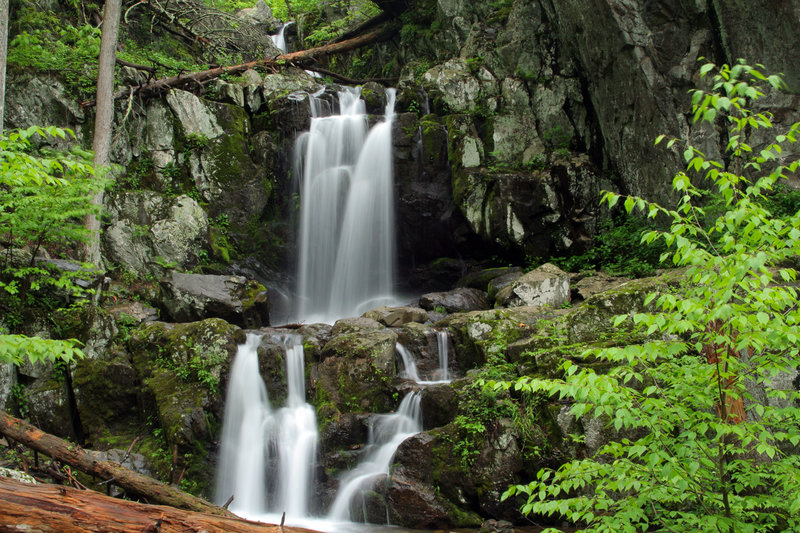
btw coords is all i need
(59, 509)
(86, 461)
(301, 59)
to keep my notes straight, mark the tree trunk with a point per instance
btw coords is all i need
(104, 118)
(86, 461)
(59, 509)
(4, 13)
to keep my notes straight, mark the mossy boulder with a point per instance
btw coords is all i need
(106, 392)
(592, 320)
(357, 370)
(184, 368)
(456, 300)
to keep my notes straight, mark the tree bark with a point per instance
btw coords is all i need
(4, 13)
(104, 118)
(299, 59)
(86, 461)
(59, 509)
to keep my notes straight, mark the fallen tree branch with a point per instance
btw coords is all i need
(301, 59)
(57, 508)
(344, 79)
(86, 461)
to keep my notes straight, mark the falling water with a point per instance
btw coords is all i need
(386, 435)
(346, 244)
(294, 435)
(409, 365)
(244, 445)
(279, 40)
(410, 370)
(441, 343)
(267, 455)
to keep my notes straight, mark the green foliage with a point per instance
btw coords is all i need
(44, 195)
(616, 249)
(696, 447)
(351, 15)
(479, 411)
(48, 43)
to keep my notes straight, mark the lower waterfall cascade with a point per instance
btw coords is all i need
(268, 455)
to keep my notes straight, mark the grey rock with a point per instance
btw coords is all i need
(146, 229)
(17, 475)
(191, 297)
(195, 116)
(455, 301)
(397, 316)
(547, 285)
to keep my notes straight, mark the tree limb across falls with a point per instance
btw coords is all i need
(299, 59)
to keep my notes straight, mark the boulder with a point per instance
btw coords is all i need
(356, 371)
(260, 15)
(547, 285)
(183, 370)
(191, 297)
(397, 316)
(455, 301)
(597, 282)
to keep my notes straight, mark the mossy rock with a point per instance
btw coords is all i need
(592, 320)
(184, 369)
(357, 371)
(105, 395)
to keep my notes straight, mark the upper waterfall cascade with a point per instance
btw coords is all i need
(346, 235)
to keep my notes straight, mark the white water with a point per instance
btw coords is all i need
(346, 244)
(409, 365)
(410, 370)
(279, 40)
(267, 456)
(386, 435)
(244, 443)
(442, 344)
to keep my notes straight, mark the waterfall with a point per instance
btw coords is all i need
(346, 236)
(264, 448)
(442, 344)
(409, 365)
(279, 40)
(386, 435)
(410, 370)
(294, 434)
(242, 462)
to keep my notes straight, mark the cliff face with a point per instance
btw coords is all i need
(561, 99)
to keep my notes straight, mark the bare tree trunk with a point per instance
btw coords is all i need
(3, 55)
(59, 509)
(86, 461)
(104, 117)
